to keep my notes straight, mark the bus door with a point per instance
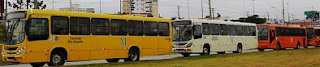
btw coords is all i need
(272, 35)
(165, 40)
(38, 40)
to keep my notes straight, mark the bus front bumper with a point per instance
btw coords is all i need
(182, 50)
(12, 58)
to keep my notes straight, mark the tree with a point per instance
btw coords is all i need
(26, 4)
(252, 19)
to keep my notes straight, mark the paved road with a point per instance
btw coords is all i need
(158, 57)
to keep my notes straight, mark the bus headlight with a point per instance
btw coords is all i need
(189, 45)
(20, 50)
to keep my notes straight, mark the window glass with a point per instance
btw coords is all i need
(205, 29)
(232, 30)
(151, 28)
(246, 30)
(119, 27)
(253, 30)
(38, 29)
(215, 29)
(60, 25)
(224, 29)
(239, 31)
(135, 28)
(164, 29)
(80, 26)
(100, 26)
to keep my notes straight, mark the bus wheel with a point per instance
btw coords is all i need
(133, 55)
(185, 54)
(239, 49)
(41, 64)
(57, 59)
(113, 60)
(298, 46)
(221, 52)
(206, 50)
(278, 46)
(261, 49)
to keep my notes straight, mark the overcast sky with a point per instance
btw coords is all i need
(227, 8)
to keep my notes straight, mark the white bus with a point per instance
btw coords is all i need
(200, 36)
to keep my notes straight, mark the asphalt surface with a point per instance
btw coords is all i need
(158, 57)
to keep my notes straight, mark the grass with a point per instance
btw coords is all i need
(283, 58)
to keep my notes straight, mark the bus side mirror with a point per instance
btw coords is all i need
(197, 33)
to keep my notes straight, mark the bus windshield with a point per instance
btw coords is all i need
(263, 32)
(182, 32)
(14, 32)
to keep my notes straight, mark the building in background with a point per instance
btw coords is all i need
(148, 8)
(76, 7)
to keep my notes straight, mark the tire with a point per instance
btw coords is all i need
(261, 50)
(221, 52)
(185, 54)
(133, 55)
(112, 60)
(41, 64)
(278, 46)
(57, 59)
(206, 50)
(239, 49)
(298, 46)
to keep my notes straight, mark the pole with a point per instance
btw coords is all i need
(188, 9)
(202, 8)
(283, 16)
(178, 11)
(210, 15)
(36, 6)
(100, 6)
(70, 4)
(253, 7)
(121, 6)
(6, 9)
(268, 14)
(288, 9)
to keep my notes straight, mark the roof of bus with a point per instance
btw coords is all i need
(276, 25)
(93, 15)
(200, 21)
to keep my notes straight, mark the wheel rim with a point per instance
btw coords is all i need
(278, 46)
(298, 46)
(56, 59)
(205, 50)
(133, 56)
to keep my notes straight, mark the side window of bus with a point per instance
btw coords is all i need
(224, 30)
(231, 30)
(246, 30)
(215, 29)
(197, 31)
(100, 27)
(135, 28)
(37, 29)
(239, 31)
(119, 27)
(253, 31)
(80, 26)
(151, 28)
(164, 29)
(60, 25)
(205, 29)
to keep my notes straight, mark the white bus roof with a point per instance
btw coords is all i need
(200, 21)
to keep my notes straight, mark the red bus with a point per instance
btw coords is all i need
(313, 36)
(281, 37)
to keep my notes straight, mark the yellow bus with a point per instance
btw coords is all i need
(54, 37)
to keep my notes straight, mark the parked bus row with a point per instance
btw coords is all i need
(53, 37)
